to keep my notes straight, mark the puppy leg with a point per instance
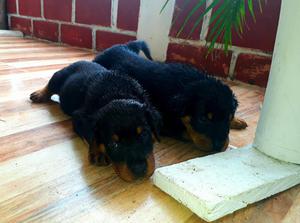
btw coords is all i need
(97, 155)
(238, 123)
(53, 87)
(42, 95)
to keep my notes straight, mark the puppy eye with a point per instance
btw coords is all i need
(115, 138)
(210, 116)
(139, 130)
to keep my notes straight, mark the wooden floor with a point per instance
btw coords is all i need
(44, 172)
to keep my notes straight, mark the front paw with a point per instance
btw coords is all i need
(98, 159)
(238, 123)
(40, 96)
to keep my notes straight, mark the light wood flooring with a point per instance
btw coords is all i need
(45, 175)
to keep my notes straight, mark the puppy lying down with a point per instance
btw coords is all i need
(111, 112)
(194, 105)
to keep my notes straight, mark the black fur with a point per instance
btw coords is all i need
(177, 90)
(103, 103)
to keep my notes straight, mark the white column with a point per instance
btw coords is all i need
(278, 131)
(155, 27)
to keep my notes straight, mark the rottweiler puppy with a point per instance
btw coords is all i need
(111, 112)
(193, 105)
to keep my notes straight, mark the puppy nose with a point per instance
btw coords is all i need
(138, 168)
(218, 145)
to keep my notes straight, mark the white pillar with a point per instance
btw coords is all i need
(154, 27)
(278, 131)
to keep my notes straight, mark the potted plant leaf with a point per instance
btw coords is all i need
(227, 16)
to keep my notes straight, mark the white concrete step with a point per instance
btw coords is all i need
(10, 33)
(219, 184)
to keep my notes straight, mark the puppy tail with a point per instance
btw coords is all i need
(139, 45)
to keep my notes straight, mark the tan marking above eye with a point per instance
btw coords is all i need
(210, 116)
(139, 130)
(115, 138)
(186, 119)
(102, 148)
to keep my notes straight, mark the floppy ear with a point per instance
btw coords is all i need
(155, 121)
(178, 104)
(183, 102)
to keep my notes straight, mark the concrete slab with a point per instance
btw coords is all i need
(219, 184)
(11, 33)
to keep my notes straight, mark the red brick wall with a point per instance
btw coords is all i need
(250, 58)
(103, 23)
(82, 23)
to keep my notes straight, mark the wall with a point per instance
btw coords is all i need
(100, 24)
(83, 23)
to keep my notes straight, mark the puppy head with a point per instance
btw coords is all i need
(207, 108)
(127, 130)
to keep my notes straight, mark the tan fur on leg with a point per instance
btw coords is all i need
(42, 95)
(97, 155)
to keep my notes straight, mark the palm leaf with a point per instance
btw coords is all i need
(202, 15)
(191, 13)
(227, 16)
(164, 6)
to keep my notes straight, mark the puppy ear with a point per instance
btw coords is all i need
(155, 121)
(183, 102)
(178, 104)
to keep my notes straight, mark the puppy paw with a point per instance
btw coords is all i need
(238, 123)
(98, 159)
(40, 96)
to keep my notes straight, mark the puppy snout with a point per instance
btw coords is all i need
(220, 145)
(138, 168)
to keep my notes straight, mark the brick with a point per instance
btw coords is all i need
(180, 13)
(11, 6)
(93, 12)
(253, 69)
(128, 14)
(45, 30)
(76, 36)
(107, 39)
(21, 24)
(30, 8)
(262, 33)
(216, 63)
(58, 10)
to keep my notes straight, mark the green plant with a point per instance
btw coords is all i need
(228, 15)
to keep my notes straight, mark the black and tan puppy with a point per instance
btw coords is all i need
(111, 112)
(193, 105)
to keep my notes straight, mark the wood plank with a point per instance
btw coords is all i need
(42, 56)
(49, 48)
(23, 121)
(40, 69)
(38, 63)
(23, 45)
(24, 74)
(26, 142)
